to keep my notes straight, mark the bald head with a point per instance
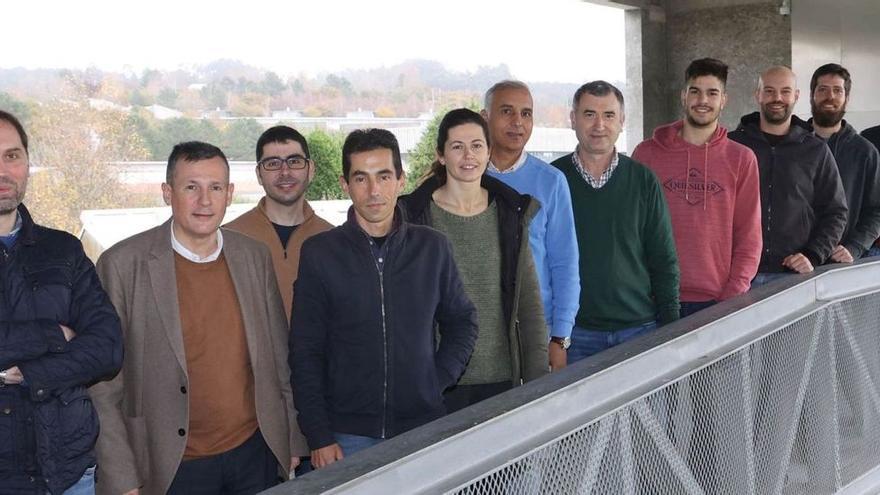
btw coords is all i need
(776, 96)
(776, 72)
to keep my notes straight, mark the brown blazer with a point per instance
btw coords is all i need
(144, 410)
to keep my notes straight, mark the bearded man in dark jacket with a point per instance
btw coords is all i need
(857, 161)
(59, 334)
(803, 207)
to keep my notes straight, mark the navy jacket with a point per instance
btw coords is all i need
(364, 355)
(803, 208)
(48, 426)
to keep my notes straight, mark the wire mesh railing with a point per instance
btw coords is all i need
(776, 392)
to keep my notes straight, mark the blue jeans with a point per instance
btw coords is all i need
(765, 278)
(354, 443)
(586, 342)
(874, 251)
(85, 485)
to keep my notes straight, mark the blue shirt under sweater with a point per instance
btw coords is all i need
(552, 239)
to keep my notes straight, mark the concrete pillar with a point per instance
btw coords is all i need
(646, 62)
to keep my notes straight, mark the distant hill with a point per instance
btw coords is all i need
(231, 87)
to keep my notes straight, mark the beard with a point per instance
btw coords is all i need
(701, 122)
(10, 203)
(826, 118)
(774, 117)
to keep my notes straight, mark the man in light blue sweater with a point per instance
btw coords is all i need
(508, 109)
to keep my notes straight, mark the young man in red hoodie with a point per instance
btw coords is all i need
(711, 186)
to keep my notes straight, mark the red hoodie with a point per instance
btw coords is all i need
(715, 202)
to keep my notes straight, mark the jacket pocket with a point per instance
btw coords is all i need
(7, 435)
(78, 423)
(50, 285)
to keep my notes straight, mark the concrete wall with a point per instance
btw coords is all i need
(747, 35)
(748, 38)
(846, 32)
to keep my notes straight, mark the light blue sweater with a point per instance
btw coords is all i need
(552, 239)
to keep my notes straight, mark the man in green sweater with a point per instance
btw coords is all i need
(628, 266)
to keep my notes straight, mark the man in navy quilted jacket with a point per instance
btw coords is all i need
(59, 334)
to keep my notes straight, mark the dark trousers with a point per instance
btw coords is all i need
(249, 468)
(462, 396)
(689, 308)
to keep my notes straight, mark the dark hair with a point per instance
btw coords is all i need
(597, 88)
(14, 122)
(454, 118)
(192, 151)
(362, 140)
(706, 67)
(833, 69)
(281, 134)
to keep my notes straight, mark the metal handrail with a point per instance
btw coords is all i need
(463, 446)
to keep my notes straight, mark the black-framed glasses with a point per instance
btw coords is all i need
(295, 162)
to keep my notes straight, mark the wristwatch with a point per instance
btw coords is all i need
(565, 342)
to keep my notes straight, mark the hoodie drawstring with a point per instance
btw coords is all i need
(705, 174)
(687, 178)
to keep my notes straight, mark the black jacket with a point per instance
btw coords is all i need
(520, 292)
(363, 355)
(48, 426)
(872, 134)
(859, 165)
(803, 207)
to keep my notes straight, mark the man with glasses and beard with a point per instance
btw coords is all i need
(803, 207)
(857, 162)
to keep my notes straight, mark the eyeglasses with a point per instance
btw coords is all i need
(295, 162)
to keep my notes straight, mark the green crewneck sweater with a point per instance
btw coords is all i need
(628, 266)
(476, 247)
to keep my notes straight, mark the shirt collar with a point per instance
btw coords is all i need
(9, 239)
(604, 177)
(191, 256)
(513, 168)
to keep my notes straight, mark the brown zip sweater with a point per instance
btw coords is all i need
(256, 224)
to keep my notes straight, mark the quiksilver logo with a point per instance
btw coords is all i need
(691, 187)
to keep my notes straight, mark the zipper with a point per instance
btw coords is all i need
(381, 271)
(384, 351)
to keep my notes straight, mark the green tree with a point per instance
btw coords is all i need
(422, 156)
(16, 107)
(340, 83)
(172, 131)
(326, 151)
(214, 96)
(272, 85)
(167, 97)
(239, 138)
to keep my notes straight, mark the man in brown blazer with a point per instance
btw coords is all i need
(203, 403)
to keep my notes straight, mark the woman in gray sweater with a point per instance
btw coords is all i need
(487, 223)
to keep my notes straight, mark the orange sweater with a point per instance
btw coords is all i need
(256, 224)
(222, 413)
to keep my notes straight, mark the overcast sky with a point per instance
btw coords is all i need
(540, 40)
